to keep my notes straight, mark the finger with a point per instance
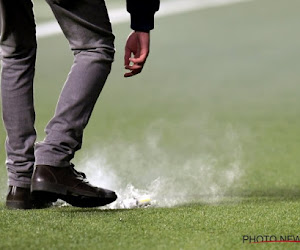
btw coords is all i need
(127, 56)
(133, 67)
(132, 73)
(129, 74)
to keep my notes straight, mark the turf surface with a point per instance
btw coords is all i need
(231, 68)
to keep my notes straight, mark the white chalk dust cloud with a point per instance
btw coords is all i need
(173, 164)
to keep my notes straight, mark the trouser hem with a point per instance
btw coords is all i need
(21, 184)
(53, 163)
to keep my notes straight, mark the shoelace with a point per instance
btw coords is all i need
(77, 173)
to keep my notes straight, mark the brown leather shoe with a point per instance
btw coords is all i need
(20, 198)
(69, 185)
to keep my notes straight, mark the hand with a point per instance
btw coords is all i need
(137, 45)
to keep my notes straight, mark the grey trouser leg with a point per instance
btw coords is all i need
(18, 53)
(86, 25)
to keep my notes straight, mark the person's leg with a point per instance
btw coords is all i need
(86, 26)
(18, 54)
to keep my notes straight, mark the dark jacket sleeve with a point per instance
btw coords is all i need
(142, 14)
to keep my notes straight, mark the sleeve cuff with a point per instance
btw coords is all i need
(143, 23)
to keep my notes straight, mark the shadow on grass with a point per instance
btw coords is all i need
(291, 194)
(71, 209)
(232, 198)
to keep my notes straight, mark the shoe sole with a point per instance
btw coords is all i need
(75, 197)
(82, 201)
(18, 205)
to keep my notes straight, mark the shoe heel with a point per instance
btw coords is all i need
(48, 187)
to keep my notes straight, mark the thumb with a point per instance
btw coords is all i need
(139, 60)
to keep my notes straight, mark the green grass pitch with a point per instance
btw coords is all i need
(231, 69)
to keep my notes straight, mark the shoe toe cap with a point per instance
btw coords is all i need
(108, 194)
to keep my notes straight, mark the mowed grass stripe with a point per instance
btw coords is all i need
(168, 8)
